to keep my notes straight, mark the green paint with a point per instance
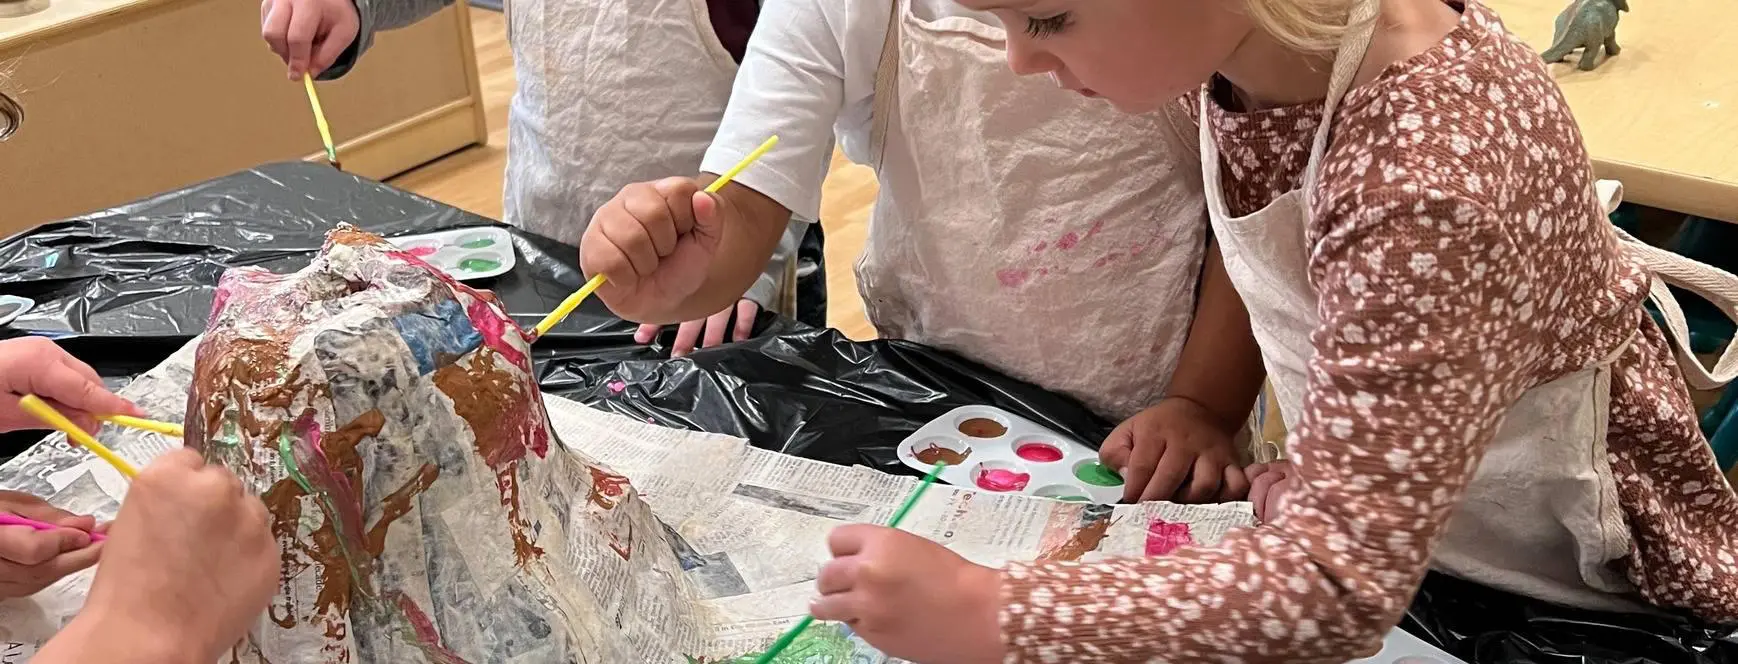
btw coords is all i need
(479, 264)
(1097, 475)
(1073, 499)
(479, 243)
(290, 466)
(821, 643)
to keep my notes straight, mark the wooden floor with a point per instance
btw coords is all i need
(471, 180)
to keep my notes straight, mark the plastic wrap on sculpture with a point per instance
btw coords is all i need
(385, 413)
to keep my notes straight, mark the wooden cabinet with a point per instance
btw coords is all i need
(122, 99)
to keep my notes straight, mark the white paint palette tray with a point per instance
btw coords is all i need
(463, 253)
(994, 450)
(1401, 647)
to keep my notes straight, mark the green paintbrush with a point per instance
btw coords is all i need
(898, 516)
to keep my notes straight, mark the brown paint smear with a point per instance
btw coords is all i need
(935, 454)
(398, 504)
(607, 488)
(983, 427)
(1084, 539)
(482, 396)
(524, 550)
(284, 503)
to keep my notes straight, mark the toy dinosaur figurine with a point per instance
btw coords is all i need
(1587, 25)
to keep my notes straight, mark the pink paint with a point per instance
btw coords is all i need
(1096, 227)
(1039, 452)
(617, 386)
(1068, 241)
(1164, 537)
(997, 479)
(422, 251)
(1040, 247)
(1013, 278)
(493, 327)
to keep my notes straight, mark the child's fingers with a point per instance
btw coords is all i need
(1260, 488)
(1235, 486)
(717, 325)
(687, 338)
(837, 576)
(300, 39)
(849, 540)
(842, 607)
(275, 29)
(1143, 458)
(1275, 498)
(647, 333)
(1168, 476)
(1203, 482)
(746, 310)
(1116, 450)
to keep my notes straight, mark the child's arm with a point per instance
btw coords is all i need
(1414, 365)
(1183, 449)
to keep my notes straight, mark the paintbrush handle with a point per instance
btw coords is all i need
(10, 519)
(165, 428)
(34, 405)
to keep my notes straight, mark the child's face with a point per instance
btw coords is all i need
(1138, 54)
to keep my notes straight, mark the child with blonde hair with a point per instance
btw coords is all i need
(1454, 330)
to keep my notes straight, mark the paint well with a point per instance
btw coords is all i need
(983, 427)
(1039, 452)
(479, 243)
(1096, 474)
(422, 250)
(997, 479)
(479, 264)
(1064, 492)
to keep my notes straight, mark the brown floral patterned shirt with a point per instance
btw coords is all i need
(1459, 176)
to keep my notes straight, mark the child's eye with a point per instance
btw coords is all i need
(1044, 27)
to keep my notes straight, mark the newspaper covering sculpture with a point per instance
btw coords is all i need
(390, 419)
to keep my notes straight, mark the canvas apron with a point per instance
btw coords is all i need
(611, 92)
(1025, 227)
(1541, 517)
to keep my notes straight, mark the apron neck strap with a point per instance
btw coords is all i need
(886, 85)
(1360, 30)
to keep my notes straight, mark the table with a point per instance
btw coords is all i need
(1662, 117)
(125, 287)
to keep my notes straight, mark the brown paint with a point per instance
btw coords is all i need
(935, 454)
(397, 504)
(483, 397)
(333, 598)
(983, 427)
(1082, 540)
(284, 503)
(524, 550)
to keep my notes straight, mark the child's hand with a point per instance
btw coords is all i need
(1268, 484)
(191, 555)
(655, 242)
(1177, 451)
(911, 598)
(31, 559)
(716, 328)
(34, 365)
(308, 35)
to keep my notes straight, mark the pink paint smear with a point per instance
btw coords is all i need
(996, 479)
(1164, 537)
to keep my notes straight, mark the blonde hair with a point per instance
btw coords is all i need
(1309, 26)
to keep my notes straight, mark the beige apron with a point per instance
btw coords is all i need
(1025, 227)
(612, 92)
(1541, 516)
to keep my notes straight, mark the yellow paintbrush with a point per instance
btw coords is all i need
(572, 302)
(165, 428)
(51, 417)
(320, 120)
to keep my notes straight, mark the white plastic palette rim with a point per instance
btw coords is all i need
(502, 251)
(1401, 647)
(1002, 450)
(25, 304)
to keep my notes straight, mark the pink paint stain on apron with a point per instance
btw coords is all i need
(1013, 278)
(1164, 537)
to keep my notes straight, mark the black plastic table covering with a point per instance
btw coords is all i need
(125, 287)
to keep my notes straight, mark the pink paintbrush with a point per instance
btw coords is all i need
(8, 519)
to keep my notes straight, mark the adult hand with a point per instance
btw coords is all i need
(1269, 484)
(308, 35)
(655, 242)
(34, 365)
(714, 327)
(31, 559)
(911, 598)
(1175, 450)
(190, 555)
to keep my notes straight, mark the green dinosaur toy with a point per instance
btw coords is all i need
(1587, 25)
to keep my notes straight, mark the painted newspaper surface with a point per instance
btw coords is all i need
(432, 506)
